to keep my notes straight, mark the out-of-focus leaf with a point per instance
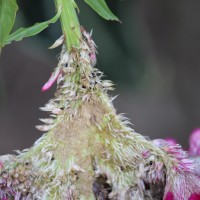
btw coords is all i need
(102, 9)
(33, 30)
(8, 9)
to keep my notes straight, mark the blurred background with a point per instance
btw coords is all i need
(152, 57)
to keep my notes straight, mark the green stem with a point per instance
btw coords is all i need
(69, 23)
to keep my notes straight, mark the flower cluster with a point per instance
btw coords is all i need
(184, 184)
(89, 151)
(16, 180)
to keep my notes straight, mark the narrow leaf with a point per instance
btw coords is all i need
(8, 9)
(33, 30)
(102, 9)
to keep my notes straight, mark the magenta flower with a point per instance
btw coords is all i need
(183, 163)
(181, 183)
(194, 143)
(182, 186)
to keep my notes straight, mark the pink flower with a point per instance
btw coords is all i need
(52, 80)
(181, 181)
(182, 186)
(176, 151)
(194, 143)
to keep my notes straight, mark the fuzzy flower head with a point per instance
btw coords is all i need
(182, 186)
(194, 143)
(181, 182)
(179, 156)
(64, 59)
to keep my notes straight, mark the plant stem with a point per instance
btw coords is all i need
(69, 22)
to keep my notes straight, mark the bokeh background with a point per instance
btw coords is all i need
(152, 57)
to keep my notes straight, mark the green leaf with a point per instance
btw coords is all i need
(8, 9)
(33, 30)
(102, 9)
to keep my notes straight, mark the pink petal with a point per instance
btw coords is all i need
(183, 186)
(178, 153)
(52, 80)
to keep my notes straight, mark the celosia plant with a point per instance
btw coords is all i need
(88, 151)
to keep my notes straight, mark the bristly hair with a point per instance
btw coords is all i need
(89, 151)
